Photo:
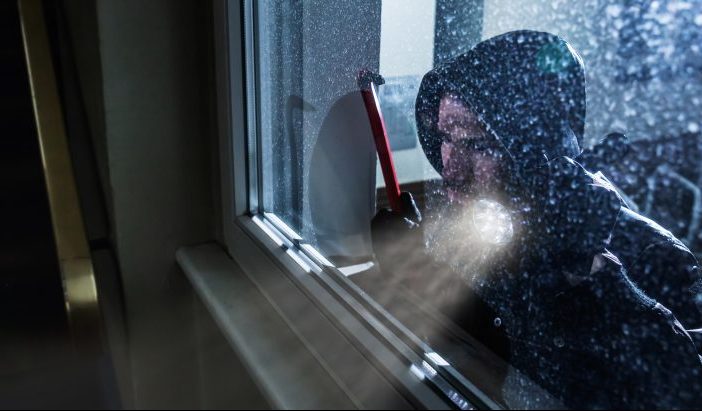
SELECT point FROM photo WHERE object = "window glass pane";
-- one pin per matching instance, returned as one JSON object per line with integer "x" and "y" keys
{"x": 402, "y": 77}
{"x": 552, "y": 149}
{"x": 316, "y": 142}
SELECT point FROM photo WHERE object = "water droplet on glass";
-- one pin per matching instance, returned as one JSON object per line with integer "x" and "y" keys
{"x": 614, "y": 10}
{"x": 559, "y": 342}
{"x": 498, "y": 322}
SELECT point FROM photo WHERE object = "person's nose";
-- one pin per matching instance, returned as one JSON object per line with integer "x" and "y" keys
{"x": 447, "y": 155}
{"x": 447, "y": 173}
{"x": 452, "y": 162}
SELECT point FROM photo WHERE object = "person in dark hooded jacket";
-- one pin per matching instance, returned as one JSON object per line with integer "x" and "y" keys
{"x": 549, "y": 268}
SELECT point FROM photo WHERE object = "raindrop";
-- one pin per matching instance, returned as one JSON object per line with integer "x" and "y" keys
{"x": 498, "y": 322}
{"x": 559, "y": 342}
{"x": 614, "y": 10}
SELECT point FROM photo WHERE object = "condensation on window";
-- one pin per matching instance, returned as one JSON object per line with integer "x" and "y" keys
{"x": 549, "y": 250}
{"x": 316, "y": 140}
{"x": 402, "y": 77}
{"x": 643, "y": 58}
{"x": 643, "y": 64}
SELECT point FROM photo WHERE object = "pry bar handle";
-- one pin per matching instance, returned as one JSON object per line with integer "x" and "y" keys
{"x": 367, "y": 82}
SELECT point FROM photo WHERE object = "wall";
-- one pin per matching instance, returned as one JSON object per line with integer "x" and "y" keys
{"x": 146, "y": 76}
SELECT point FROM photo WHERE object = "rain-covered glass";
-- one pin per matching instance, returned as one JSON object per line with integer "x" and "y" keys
{"x": 550, "y": 155}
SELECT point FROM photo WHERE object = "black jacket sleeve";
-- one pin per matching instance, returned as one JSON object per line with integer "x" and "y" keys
{"x": 668, "y": 272}
{"x": 604, "y": 344}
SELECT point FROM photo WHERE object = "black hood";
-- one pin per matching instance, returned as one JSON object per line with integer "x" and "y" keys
{"x": 528, "y": 89}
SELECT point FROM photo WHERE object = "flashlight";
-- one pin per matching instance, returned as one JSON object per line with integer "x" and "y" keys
{"x": 492, "y": 222}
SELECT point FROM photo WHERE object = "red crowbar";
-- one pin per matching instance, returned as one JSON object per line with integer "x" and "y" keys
{"x": 367, "y": 82}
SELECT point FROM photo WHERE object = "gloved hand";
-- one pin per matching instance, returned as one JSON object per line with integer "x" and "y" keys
{"x": 610, "y": 151}
{"x": 396, "y": 236}
{"x": 571, "y": 214}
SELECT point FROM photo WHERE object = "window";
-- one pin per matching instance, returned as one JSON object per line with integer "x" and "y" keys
{"x": 402, "y": 79}
{"x": 537, "y": 276}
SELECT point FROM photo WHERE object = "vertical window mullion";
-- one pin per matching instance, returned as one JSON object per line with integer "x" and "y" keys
{"x": 253, "y": 145}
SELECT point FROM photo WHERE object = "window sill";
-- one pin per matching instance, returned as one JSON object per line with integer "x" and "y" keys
{"x": 297, "y": 356}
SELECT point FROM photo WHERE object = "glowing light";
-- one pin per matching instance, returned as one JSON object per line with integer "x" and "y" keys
{"x": 492, "y": 222}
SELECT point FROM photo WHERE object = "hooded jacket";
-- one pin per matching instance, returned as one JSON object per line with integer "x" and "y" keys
{"x": 605, "y": 339}
{"x": 528, "y": 90}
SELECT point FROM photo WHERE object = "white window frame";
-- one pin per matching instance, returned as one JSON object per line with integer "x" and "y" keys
{"x": 297, "y": 280}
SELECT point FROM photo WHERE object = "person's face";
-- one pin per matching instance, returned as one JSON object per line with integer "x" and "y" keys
{"x": 472, "y": 160}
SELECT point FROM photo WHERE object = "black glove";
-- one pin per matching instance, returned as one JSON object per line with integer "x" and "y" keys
{"x": 610, "y": 151}
{"x": 395, "y": 236}
{"x": 571, "y": 215}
